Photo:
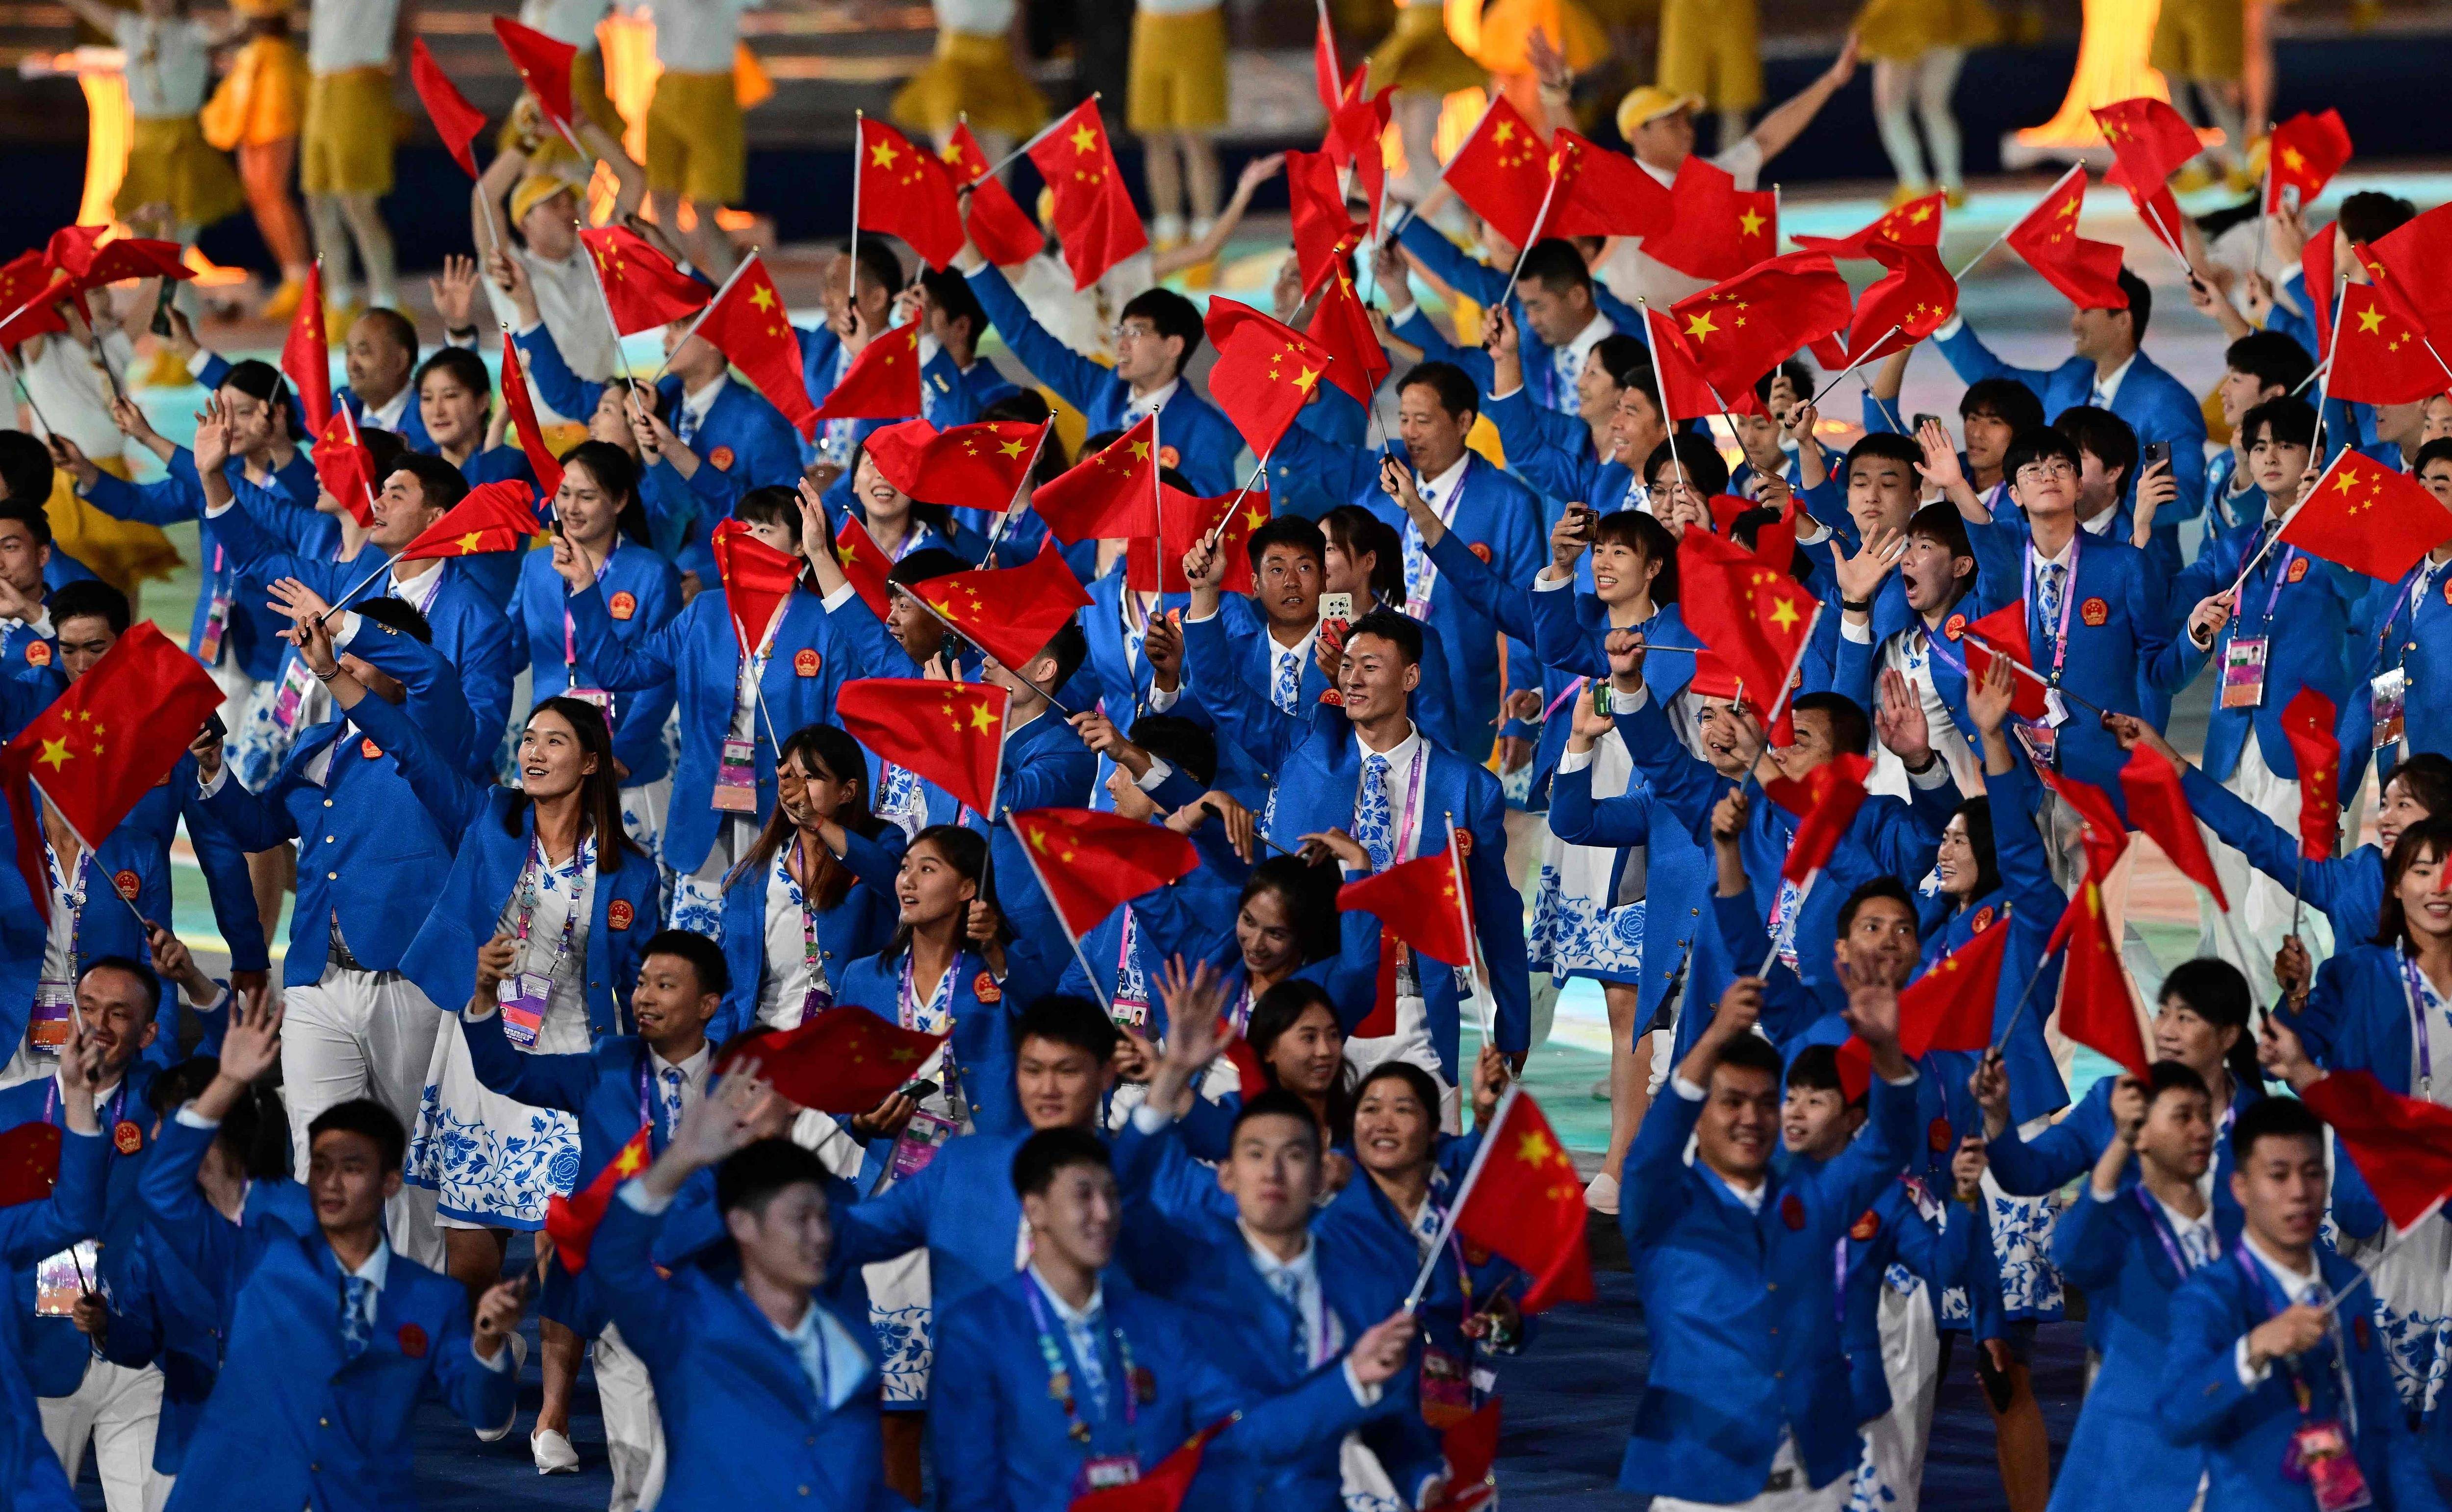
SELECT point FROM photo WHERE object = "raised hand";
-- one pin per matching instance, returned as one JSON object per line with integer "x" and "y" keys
{"x": 1625, "y": 651}
{"x": 569, "y": 565}
{"x": 2282, "y": 1055}
{"x": 70, "y": 458}
{"x": 1728, "y": 817}
{"x": 1968, "y": 1167}
{"x": 1162, "y": 647}
{"x": 1860, "y": 576}
{"x": 498, "y": 1317}
{"x": 1336, "y": 842}
{"x": 297, "y": 599}
{"x": 212, "y": 435}
{"x": 455, "y": 293}
{"x": 1589, "y": 723}
{"x": 2292, "y": 969}
{"x": 2127, "y": 1109}
{"x": 2207, "y": 620}
{"x": 1989, "y": 697}
{"x": 2131, "y": 732}
{"x": 1901, "y": 722}
{"x": 1242, "y": 825}
{"x": 1990, "y": 1086}
{"x": 1383, "y": 1349}
{"x": 1940, "y": 466}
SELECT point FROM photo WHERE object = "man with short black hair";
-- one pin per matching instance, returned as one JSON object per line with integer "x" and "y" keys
{"x": 1045, "y": 765}
{"x": 28, "y": 643}
{"x": 958, "y": 322}
{"x": 2259, "y": 366}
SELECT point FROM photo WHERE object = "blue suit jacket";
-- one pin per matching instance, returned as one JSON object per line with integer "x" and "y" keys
{"x": 2347, "y": 890}
{"x": 984, "y": 1011}
{"x": 2111, "y": 1248}
{"x": 1484, "y": 284}
{"x": 1952, "y": 1251}
{"x": 2358, "y": 1018}
{"x": 52, "y": 1350}
{"x": 859, "y": 926}
{"x": 29, "y": 1470}
{"x": 646, "y": 590}
{"x": 1509, "y": 605}
{"x": 2068, "y": 1149}
{"x": 1742, "y": 1306}
{"x": 2416, "y": 638}
{"x": 1554, "y": 452}
{"x": 1045, "y": 766}
{"x": 2306, "y": 635}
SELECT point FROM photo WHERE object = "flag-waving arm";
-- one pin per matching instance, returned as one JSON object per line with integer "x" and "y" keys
{"x": 1074, "y": 377}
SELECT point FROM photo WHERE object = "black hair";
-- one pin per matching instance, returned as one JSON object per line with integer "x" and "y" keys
{"x": 1815, "y": 1069}
{"x": 262, "y": 382}
{"x": 704, "y": 956}
{"x": 1872, "y": 888}
{"x": 25, "y": 467}
{"x": 1277, "y": 1103}
{"x": 617, "y": 473}
{"x": 396, "y": 614}
{"x": 1942, "y": 525}
{"x": 386, "y": 447}
{"x": 966, "y": 850}
{"x": 464, "y": 368}
{"x": 1749, "y": 1052}
{"x": 401, "y": 330}
{"x": 367, "y": 1116}
{"x": 2273, "y": 1117}
{"x": 1069, "y": 648}
{"x": 2170, "y": 1076}
{"x": 2439, "y": 449}
{"x": 90, "y": 598}
{"x": 600, "y": 791}
{"x": 1644, "y": 534}
{"x": 1888, "y": 445}
{"x": 1180, "y": 743}
{"x": 2102, "y": 435}
{"x": 143, "y": 973}
{"x": 1640, "y": 378}
{"x": 1291, "y": 530}
{"x": 1798, "y": 372}
{"x": 772, "y": 505}
{"x": 1417, "y": 1081}
{"x": 877, "y": 261}
{"x": 2370, "y": 214}
{"x": 1389, "y": 625}
{"x": 438, "y": 481}
{"x": 755, "y": 1174}
{"x": 2273, "y": 358}
{"x": 255, "y": 1131}
{"x": 1171, "y": 315}
{"x": 1555, "y": 263}
{"x": 1977, "y": 811}
{"x": 1278, "y": 1010}
{"x": 928, "y": 562}
{"x": 30, "y": 513}
{"x": 2008, "y": 401}
{"x": 2427, "y": 775}
{"x": 2432, "y": 833}
{"x": 2284, "y": 422}
{"x": 1707, "y": 471}
{"x": 2215, "y": 992}
{"x": 1076, "y": 1023}
{"x": 1310, "y": 895}
{"x": 951, "y": 293}
{"x": 2036, "y": 444}
{"x": 1456, "y": 394}
{"x": 2141, "y": 303}
{"x": 1358, "y": 532}
{"x": 1850, "y": 732}
{"x": 1051, "y": 1150}
{"x": 1623, "y": 356}
{"x": 834, "y": 749}
{"x": 1030, "y": 406}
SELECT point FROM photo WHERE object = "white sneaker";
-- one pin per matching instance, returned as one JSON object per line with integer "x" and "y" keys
{"x": 554, "y": 1455}
{"x": 1601, "y": 1196}
{"x": 518, "y": 1361}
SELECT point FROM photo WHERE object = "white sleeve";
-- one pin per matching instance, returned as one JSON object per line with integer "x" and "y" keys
{"x": 1686, "y": 1090}
{"x": 1856, "y": 634}
{"x": 1574, "y": 761}
{"x": 839, "y": 597}
{"x": 2250, "y": 1377}
{"x": 635, "y": 1194}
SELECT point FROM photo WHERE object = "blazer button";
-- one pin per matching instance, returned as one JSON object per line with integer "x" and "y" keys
{"x": 804, "y": 1490}
{"x": 331, "y": 876}
{"x": 328, "y": 803}
{"x": 811, "y": 1440}
{"x": 328, "y": 840}
{"x": 1771, "y": 1285}
{"x": 323, "y": 1422}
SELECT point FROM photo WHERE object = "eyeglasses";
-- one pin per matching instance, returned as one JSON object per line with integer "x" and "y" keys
{"x": 2047, "y": 470}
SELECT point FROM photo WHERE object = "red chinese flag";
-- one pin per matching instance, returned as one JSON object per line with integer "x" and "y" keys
{"x": 2369, "y": 518}
{"x": 114, "y": 736}
{"x": 864, "y": 561}
{"x": 1718, "y": 231}
{"x": 1424, "y": 901}
{"x": 904, "y": 191}
{"x": 1327, "y": 76}
{"x": 1915, "y": 224}
{"x": 2383, "y": 355}
{"x": 2149, "y": 141}
{"x": 1950, "y": 1008}
{"x": 29, "y": 1162}
{"x": 1756, "y": 617}
{"x": 882, "y": 383}
{"x": 25, "y": 312}
{"x": 455, "y": 120}
{"x": 2004, "y": 630}
{"x": 2400, "y": 1145}
{"x": 2100, "y": 827}
{"x": 1914, "y": 300}
{"x": 2308, "y": 722}
{"x": 1163, "y": 1485}
{"x": 1471, "y": 1447}
{"x": 543, "y": 65}
{"x": 845, "y": 1060}
{"x": 2316, "y": 282}
{"x": 1742, "y": 328}
{"x": 1090, "y": 864}
{"x": 1604, "y": 193}
{"x": 1323, "y": 234}
{"x": 1093, "y": 216}
{"x": 950, "y": 733}
{"x": 1686, "y": 391}
{"x": 1110, "y": 494}
{"x": 2087, "y": 273}
{"x": 2305, "y": 153}
{"x": 522, "y": 405}
{"x": 1156, "y": 565}
{"x": 572, "y": 1221}
{"x": 998, "y": 229}
{"x": 2096, "y": 1008}
{"x": 343, "y": 466}
{"x": 80, "y": 252}
{"x": 642, "y": 286}
{"x": 1265, "y": 371}
{"x": 756, "y": 577}
{"x": 306, "y": 355}
{"x": 1524, "y": 1200}
{"x": 748, "y": 325}
{"x": 1011, "y": 613}
{"x": 1357, "y": 134}
{"x": 491, "y": 517}
{"x": 1343, "y": 328}
{"x": 1502, "y": 171}
{"x": 989, "y": 460}
{"x": 2417, "y": 257}
{"x": 2158, "y": 806}
{"x": 1824, "y": 802}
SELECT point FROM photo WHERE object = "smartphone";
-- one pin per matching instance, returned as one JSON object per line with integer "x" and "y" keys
{"x": 918, "y": 1091}
{"x": 1922, "y": 420}
{"x": 1600, "y": 696}
{"x": 162, "y": 326}
{"x": 2290, "y": 198}
{"x": 1337, "y": 609}
{"x": 1586, "y": 521}
{"x": 214, "y": 728}
{"x": 2156, "y": 451}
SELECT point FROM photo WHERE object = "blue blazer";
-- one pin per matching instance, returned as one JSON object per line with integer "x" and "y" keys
{"x": 2415, "y": 637}
{"x": 1950, "y": 1252}
{"x": 746, "y": 440}
{"x": 51, "y": 1351}
{"x": 1045, "y": 766}
{"x": 29, "y": 1469}
{"x": 1742, "y": 1306}
{"x": 1654, "y": 815}
{"x": 2358, "y": 1018}
{"x": 290, "y": 1422}
{"x": 2068, "y": 1149}
{"x": 859, "y": 926}
{"x": 1485, "y": 286}
{"x": 984, "y": 1012}
{"x": 2305, "y": 636}
{"x": 1363, "y": 1211}
{"x": 155, "y": 820}
{"x": 1003, "y": 1440}
{"x": 2347, "y": 890}
{"x": 1554, "y": 454}
{"x": 1509, "y": 602}
{"x": 746, "y": 1426}
{"x": 2245, "y": 1431}
{"x": 1196, "y": 921}
{"x": 1206, "y": 445}
{"x": 645, "y": 591}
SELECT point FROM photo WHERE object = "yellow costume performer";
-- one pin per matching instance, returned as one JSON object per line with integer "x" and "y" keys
{"x": 170, "y": 163}
{"x": 1179, "y": 69}
{"x": 973, "y": 75}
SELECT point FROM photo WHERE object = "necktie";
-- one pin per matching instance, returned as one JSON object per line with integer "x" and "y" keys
{"x": 1417, "y": 559}
{"x": 1088, "y": 1342}
{"x": 1289, "y": 1286}
{"x": 670, "y": 1095}
{"x": 1132, "y": 982}
{"x": 1373, "y": 825}
{"x": 2048, "y": 595}
{"x": 357, "y": 1316}
{"x": 1285, "y": 683}
{"x": 686, "y": 426}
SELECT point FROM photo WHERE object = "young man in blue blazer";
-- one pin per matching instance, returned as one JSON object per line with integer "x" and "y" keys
{"x": 1749, "y": 1400}
{"x": 335, "y": 1339}
{"x": 2264, "y": 1372}
{"x": 30, "y": 1478}
{"x": 1136, "y": 1376}
{"x": 1561, "y": 310}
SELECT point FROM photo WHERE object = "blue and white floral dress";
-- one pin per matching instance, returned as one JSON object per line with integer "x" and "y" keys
{"x": 1579, "y": 928}
{"x": 494, "y": 1163}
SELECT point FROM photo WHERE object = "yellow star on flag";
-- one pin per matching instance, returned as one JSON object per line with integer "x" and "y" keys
{"x": 1750, "y": 223}
{"x": 2293, "y": 159}
{"x": 1699, "y": 325}
{"x": 1503, "y": 132}
{"x": 1923, "y": 213}
{"x": 56, "y": 754}
{"x": 1140, "y": 451}
{"x": 883, "y": 154}
{"x": 1083, "y": 139}
{"x": 982, "y": 717}
{"x": 2370, "y": 320}
{"x": 1306, "y": 380}
{"x": 468, "y": 543}
{"x": 1535, "y": 1148}
{"x": 1012, "y": 449}
{"x": 762, "y": 297}
{"x": 2343, "y": 481}
{"x": 1783, "y": 612}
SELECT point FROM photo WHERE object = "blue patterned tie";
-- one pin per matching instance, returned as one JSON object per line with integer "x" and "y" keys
{"x": 1374, "y": 827}
{"x": 670, "y": 1096}
{"x": 1417, "y": 560}
{"x": 686, "y": 426}
{"x": 357, "y": 1316}
{"x": 1289, "y": 1286}
{"x": 1285, "y": 683}
{"x": 2049, "y": 596}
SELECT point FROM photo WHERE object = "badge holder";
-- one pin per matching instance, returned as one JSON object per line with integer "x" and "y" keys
{"x": 524, "y": 998}
{"x": 2243, "y": 681}
{"x": 208, "y": 643}
{"x": 1101, "y": 1472}
{"x": 2387, "y": 698}
{"x": 54, "y": 1005}
{"x": 1447, "y": 1386}
{"x": 60, "y": 1279}
{"x": 603, "y": 700}
{"x": 2320, "y": 1455}
{"x": 2042, "y": 743}
{"x": 813, "y": 1002}
{"x": 736, "y": 778}
{"x": 292, "y": 693}
{"x": 917, "y": 1145}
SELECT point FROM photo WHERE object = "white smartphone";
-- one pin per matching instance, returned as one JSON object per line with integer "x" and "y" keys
{"x": 1338, "y": 606}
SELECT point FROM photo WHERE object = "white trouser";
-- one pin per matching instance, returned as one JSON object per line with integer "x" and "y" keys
{"x": 116, "y": 1410}
{"x": 1796, "y": 1497}
{"x": 1889, "y": 1477}
{"x": 363, "y": 1034}
{"x": 634, "y": 1433}
{"x": 2260, "y": 907}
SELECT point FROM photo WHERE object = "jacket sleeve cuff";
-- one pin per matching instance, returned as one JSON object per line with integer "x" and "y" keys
{"x": 636, "y": 1197}
{"x": 1364, "y": 1396}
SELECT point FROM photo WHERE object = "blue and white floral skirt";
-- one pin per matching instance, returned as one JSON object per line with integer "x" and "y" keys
{"x": 491, "y": 1161}
{"x": 2021, "y": 1245}
{"x": 2413, "y": 1306}
{"x": 1577, "y": 928}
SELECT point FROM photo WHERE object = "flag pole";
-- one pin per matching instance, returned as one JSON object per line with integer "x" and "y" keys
{"x": 1219, "y": 529}
{"x": 1335, "y": 68}
{"x": 995, "y": 532}
{"x": 1881, "y": 403}
{"x": 2019, "y": 1010}
{"x": 355, "y": 588}
{"x": 19, "y": 379}
{"x": 1779, "y": 702}
{"x": 1540, "y": 219}
{"x": 1016, "y": 154}
{"x": 734, "y": 277}
{"x": 859, "y": 145}
{"x": 1479, "y": 968}
{"x": 930, "y": 609}
{"x": 1854, "y": 362}
{"x": 1070, "y": 938}
{"x": 2332, "y": 345}
{"x": 1968, "y": 266}
{"x": 1652, "y": 348}
{"x": 366, "y": 483}
{"x": 1464, "y": 1190}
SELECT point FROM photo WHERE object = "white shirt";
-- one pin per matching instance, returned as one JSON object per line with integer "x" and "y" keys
{"x": 167, "y": 68}
{"x": 1298, "y": 653}
{"x": 1440, "y": 492}
{"x": 417, "y": 592}
{"x": 2197, "y": 1241}
{"x": 572, "y": 310}
{"x": 394, "y": 411}
{"x": 1082, "y": 1328}
{"x": 571, "y": 21}
{"x": 834, "y": 1364}
{"x": 698, "y": 403}
{"x": 2107, "y": 388}
{"x": 2305, "y": 1287}
{"x": 564, "y": 894}
{"x": 1155, "y": 399}
{"x": 697, "y": 36}
{"x": 980, "y": 18}
{"x": 1909, "y": 654}
{"x": 1407, "y": 829}
{"x": 351, "y": 34}
{"x": 787, "y": 983}
{"x": 1570, "y": 358}
{"x": 1299, "y": 1280}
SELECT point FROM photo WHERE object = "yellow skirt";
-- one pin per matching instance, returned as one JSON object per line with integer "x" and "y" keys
{"x": 972, "y": 74}
{"x": 1419, "y": 54}
{"x": 1507, "y": 23}
{"x": 171, "y": 163}
{"x": 348, "y": 141}
{"x": 121, "y": 553}
{"x": 2200, "y": 39}
{"x": 1903, "y": 31}
{"x": 1711, "y": 49}
{"x": 262, "y": 99}
{"x": 1177, "y": 79}
{"x": 695, "y": 145}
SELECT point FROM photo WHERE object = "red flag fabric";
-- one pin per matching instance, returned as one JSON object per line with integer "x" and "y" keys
{"x": 2004, "y": 630}
{"x": 79, "y": 251}
{"x": 1162, "y": 1486}
{"x": 882, "y": 383}
{"x": 1090, "y": 864}
{"x": 1686, "y": 389}
{"x": 1470, "y": 1445}
{"x": 345, "y": 467}
{"x": 1327, "y": 76}
{"x": 2149, "y": 141}
{"x": 1502, "y": 170}
{"x": 2400, "y": 1145}
{"x": 973, "y": 464}
{"x": 845, "y": 1060}
{"x": 748, "y": 325}
{"x": 904, "y": 191}
{"x": 1525, "y": 1202}
{"x": 455, "y": 120}
{"x": 114, "y": 736}
{"x": 1110, "y": 493}
{"x": 2158, "y": 806}
{"x": 2369, "y": 518}
{"x": 1950, "y": 1008}
{"x": 1915, "y": 224}
{"x": 642, "y": 286}
{"x": 543, "y": 65}
{"x": 1265, "y": 371}
{"x": 2303, "y": 154}
{"x": 1011, "y": 613}
{"x": 950, "y": 733}
{"x": 25, "y": 312}
{"x": 1824, "y": 802}
{"x": 1756, "y": 617}
{"x": 1603, "y": 194}
{"x": 1917, "y": 297}
{"x": 490, "y": 517}
{"x": 1156, "y": 565}
{"x": 2417, "y": 257}
{"x": 306, "y": 355}
{"x": 1742, "y": 328}
{"x": 2087, "y": 273}
{"x": 1718, "y": 231}
{"x": 998, "y": 229}
{"x": 572, "y": 1221}
{"x": 2096, "y": 1008}
{"x": 2100, "y": 827}
{"x": 2316, "y": 280}
{"x": 1423, "y": 901}
{"x": 29, "y": 1162}
{"x": 522, "y": 405}
{"x": 1093, "y": 216}
{"x": 1343, "y": 328}
{"x": 864, "y": 562}
{"x": 2383, "y": 355}
{"x": 1323, "y": 232}
{"x": 1357, "y": 134}
{"x": 2307, "y": 722}
{"x": 756, "y": 577}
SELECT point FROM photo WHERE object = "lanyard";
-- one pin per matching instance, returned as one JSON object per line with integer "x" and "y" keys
{"x": 908, "y": 1007}
{"x": 2419, "y": 994}
{"x": 2280, "y": 569}
{"x": 2421, "y": 579}
{"x": 109, "y": 1118}
{"x": 2269, "y": 1294}
{"x": 529, "y": 898}
{"x": 2068, "y": 598}
{"x": 569, "y": 645}
{"x": 1938, "y": 647}
{"x": 809, "y": 923}
{"x": 1059, "y": 1381}
{"x": 72, "y": 891}
{"x": 2163, "y": 1232}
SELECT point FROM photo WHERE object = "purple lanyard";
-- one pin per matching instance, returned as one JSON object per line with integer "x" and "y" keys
{"x": 2273, "y": 1300}
{"x": 809, "y": 919}
{"x": 1052, "y": 1354}
{"x": 1935, "y": 644}
{"x": 2281, "y": 574}
{"x": 907, "y": 995}
{"x": 2421, "y": 995}
{"x": 110, "y": 1119}
{"x": 2165, "y": 1233}
{"x": 2068, "y": 598}
{"x": 569, "y": 647}
{"x": 528, "y": 898}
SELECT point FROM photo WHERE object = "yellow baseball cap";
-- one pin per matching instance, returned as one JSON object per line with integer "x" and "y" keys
{"x": 1649, "y": 104}
{"x": 533, "y": 191}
